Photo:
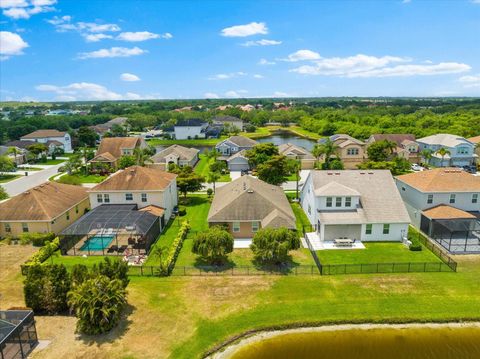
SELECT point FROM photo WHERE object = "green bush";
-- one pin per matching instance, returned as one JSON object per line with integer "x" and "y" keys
{"x": 113, "y": 269}
{"x": 37, "y": 239}
{"x": 44, "y": 252}
{"x": 209, "y": 192}
{"x": 213, "y": 245}
{"x": 271, "y": 245}
{"x": 175, "y": 248}
{"x": 415, "y": 247}
{"x": 182, "y": 210}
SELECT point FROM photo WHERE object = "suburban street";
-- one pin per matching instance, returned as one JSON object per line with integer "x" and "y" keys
{"x": 33, "y": 179}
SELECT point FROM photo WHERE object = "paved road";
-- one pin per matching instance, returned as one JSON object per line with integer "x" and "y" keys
{"x": 33, "y": 179}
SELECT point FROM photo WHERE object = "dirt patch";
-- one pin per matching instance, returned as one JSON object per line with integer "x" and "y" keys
{"x": 215, "y": 297}
{"x": 11, "y": 286}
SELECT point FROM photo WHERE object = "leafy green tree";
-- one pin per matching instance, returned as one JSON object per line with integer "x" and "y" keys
{"x": 98, "y": 304}
{"x": 213, "y": 245}
{"x": 426, "y": 155}
{"x": 15, "y": 151}
{"x": 37, "y": 149}
{"x": 381, "y": 150}
{"x": 327, "y": 148}
{"x": 3, "y": 193}
{"x": 294, "y": 167}
{"x": 6, "y": 164}
{"x": 443, "y": 152}
{"x": 118, "y": 130}
{"x": 333, "y": 164}
{"x": 213, "y": 177}
{"x": 127, "y": 161}
{"x": 142, "y": 156}
{"x": 261, "y": 153}
{"x": 217, "y": 166}
{"x": 73, "y": 164}
{"x": 275, "y": 170}
{"x": 271, "y": 245}
{"x": 188, "y": 180}
{"x": 87, "y": 137}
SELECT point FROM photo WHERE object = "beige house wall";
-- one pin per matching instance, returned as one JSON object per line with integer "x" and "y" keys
{"x": 245, "y": 229}
{"x": 56, "y": 225}
{"x": 307, "y": 164}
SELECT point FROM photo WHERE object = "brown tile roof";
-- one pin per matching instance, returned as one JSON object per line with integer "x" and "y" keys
{"x": 44, "y": 133}
{"x": 136, "y": 178}
{"x": 155, "y": 210}
{"x": 291, "y": 149}
{"x": 250, "y": 199}
{"x": 104, "y": 157}
{"x": 444, "y": 211}
{"x": 475, "y": 139}
{"x": 42, "y": 203}
{"x": 442, "y": 180}
{"x": 114, "y": 145}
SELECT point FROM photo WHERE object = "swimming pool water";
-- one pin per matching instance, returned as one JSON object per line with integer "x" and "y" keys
{"x": 97, "y": 243}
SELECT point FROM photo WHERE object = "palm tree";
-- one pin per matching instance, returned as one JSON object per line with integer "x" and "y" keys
{"x": 141, "y": 156}
{"x": 443, "y": 152}
{"x": 427, "y": 155}
{"x": 85, "y": 152}
{"x": 390, "y": 146}
{"x": 212, "y": 154}
{"x": 317, "y": 151}
{"x": 15, "y": 151}
{"x": 327, "y": 148}
{"x": 213, "y": 177}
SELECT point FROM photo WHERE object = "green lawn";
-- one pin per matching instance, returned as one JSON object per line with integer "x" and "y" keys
{"x": 70, "y": 261}
{"x": 202, "y": 168}
{"x": 51, "y": 162}
{"x": 81, "y": 178}
{"x": 379, "y": 252}
{"x": 7, "y": 178}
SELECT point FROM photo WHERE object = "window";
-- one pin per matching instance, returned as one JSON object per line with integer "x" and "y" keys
{"x": 348, "y": 201}
{"x": 430, "y": 198}
{"x": 309, "y": 209}
{"x": 144, "y": 197}
{"x": 25, "y": 227}
{"x": 462, "y": 151}
{"x": 67, "y": 215}
{"x": 338, "y": 201}
{"x": 99, "y": 198}
{"x": 255, "y": 226}
{"x": 403, "y": 189}
{"x": 76, "y": 209}
{"x": 8, "y": 229}
{"x": 452, "y": 198}
{"x": 352, "y": 151}
{"x": 368, "y": 229}
{"x": 329, "y": 201}
{"x": 128, "y": 197}
{"x": 475, "y": 198}
{"x": 236, "y": 226}
{"x": 106, "y": 198}
{"x": 386, "y": 229}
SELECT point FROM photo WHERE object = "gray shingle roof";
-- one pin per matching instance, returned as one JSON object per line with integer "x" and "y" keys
{"x": 183, "y": 153}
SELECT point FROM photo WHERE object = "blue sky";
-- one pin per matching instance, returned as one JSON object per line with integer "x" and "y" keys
{"x": 110, "y": 50}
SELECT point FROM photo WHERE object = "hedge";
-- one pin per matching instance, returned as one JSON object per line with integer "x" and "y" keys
{"x": 43, "y": 253}
{"x": 175, "y": 248}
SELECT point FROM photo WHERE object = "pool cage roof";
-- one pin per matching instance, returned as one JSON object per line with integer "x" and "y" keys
{"x": 10, "y": 320}
{"x": 109, "y": 219}
{"x": 459, "y": 225}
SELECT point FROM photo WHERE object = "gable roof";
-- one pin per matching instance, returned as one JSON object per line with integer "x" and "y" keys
{"x": 250, "y": 199}
{"x": 379, "y": 197}
{"x": 183, "y": 153}
{"x": 20, "y": 144}
{"x": 240, "y": 154}
{"x": 44, "y": 133}
{"x": 444, "y": 139}
{"x": 342, "y": 140}
{"x": 114, "y": 145}
{"x": 226, "y": 119}
{"x": 398, "y": 138}
{"x": 443, "y": 211}
{"x": 42, "y": 203}
{"x": 241, "y": 141}
{"x": 136, "y": 178}
{"x": 442, "y": 180}
{"x": 192, "y": 122}
{"x": 336, "y": 189}
{"x": 290, "y": 148}
{"x": 475, "y": 139}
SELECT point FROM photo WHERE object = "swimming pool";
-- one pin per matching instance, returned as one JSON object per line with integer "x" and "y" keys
{"x": 97, "y": 243}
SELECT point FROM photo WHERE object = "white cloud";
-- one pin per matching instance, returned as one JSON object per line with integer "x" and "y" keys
{"x": 129, "y": 77}
{"x": 166, "y": 35}
{"x": 94, "y": 27}
{"x": 112, "y": 52}
{"x": 471, "y": 80}
{"x": 416, "y": 70}
{"x": 303, "y": 55}
{"x": 281, "y": 94}
{"x": 235, "y": 94}
{"x": 266, "y": 62}
{"x": 23, "y": 9}
{"x": 85, "y": 91}
{"x": 96, "y": 37}
{"x": 262, "y": 42}
{"x": 227, "y": 75}
{"x": 258, "y": 76}
{"x": 210, "y": 95}
{"x": 250, "y": 29}
{"x": 137, "y": 36}
{"x": 11, "y": 44}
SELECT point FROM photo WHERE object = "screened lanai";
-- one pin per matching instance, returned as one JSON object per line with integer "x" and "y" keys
{"x": 115, "y": 229}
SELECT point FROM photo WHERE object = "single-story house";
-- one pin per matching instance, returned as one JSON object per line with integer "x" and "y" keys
{"x": 238, "y": 162}
{"x": 58, "y": 138}
{"x": 307, "y": 159}
{"x": 176, "y": 154}
{"x": 49, "y": 207}
{"x": 354, "y": 204}
{"x": 19, "y": 158}
{"x": 235, "y": 144}
{"x": 248, "y": 204}
{"x": 111, "y": 149}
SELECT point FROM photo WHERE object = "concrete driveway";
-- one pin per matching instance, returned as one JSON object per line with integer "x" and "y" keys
{"x": 34, "y": 179}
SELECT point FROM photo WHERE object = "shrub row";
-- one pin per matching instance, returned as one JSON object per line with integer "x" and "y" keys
{"x": 37, "y": 239}
{"x": 175, "y": 248}
{"x": 44, "y": 252}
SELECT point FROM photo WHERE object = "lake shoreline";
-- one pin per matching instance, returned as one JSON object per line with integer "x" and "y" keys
{"x": 228, "y": 348}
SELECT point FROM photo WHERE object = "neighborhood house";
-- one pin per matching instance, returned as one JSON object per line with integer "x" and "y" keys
{"x": 51, "y": 138}
{"x": 175, "y": 154}
{"x": 459, "y": 151}
{"x": 111, "y": 149}
{"x": 190, "y": 129}
{"x": 351, "y": 151}
{"x": 232, "y": 150}
{"x": 307, "y": 160}
{"x": 407, "y": 147}
{"x": 228, "y": 120}
{"x": 353, "y": 205}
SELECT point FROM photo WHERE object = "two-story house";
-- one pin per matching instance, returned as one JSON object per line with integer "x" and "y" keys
{"x": 350, "y": 151}
{"x": 355, "y": 204}
{"x": 190, "y": 129}
{"x": 51, "y": 138}
{"x": 233, "y": 150}
{"x": 461, "y": 152}
{"x": 141, "y": 186}
{"x": 228, "y": 120}
{"x": 306, "y": 158}
{"x": 111, "y": 149}
{"x": 407, "y": 147}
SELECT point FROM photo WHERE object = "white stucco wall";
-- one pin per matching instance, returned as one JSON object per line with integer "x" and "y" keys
{"x": 183, "y": 132}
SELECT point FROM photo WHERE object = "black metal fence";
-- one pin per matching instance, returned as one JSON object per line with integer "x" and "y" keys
{"x": 438, "y": 251}
{"x": 369, "y": 268}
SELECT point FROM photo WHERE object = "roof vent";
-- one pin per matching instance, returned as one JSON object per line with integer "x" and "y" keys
{"x": 370, "y": 173}
{"x": 362, "y": 173}
{"x": 337, "y": 173}
{"x": 250, "y": 191}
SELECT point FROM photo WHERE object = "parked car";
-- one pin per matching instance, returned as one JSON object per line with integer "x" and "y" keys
{"x": 416, "y": 167}
{"x": 470, "y": 169}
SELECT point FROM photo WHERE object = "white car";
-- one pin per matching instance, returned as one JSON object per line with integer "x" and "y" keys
{"x": 416, "y": 167}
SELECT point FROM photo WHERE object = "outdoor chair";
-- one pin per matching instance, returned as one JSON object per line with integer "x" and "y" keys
{"x": 112, "y": 249}
{"x": 122, "y": 248}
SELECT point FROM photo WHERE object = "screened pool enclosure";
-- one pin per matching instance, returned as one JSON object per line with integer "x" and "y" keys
{"x": 115, "y": 229}
{"x": 18, "y": 335}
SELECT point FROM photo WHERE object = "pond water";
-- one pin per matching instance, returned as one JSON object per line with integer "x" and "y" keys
{"x": 278, "y": 138}
{"x": 411, "y": 343}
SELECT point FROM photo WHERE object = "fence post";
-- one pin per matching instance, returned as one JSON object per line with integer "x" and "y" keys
{"x": 424, "y": 266}
{"x": 409, "y": 267}
{"x": 151, "y": 270}
{"x": 296, "y": 273}
{"x": 141, "y": 270}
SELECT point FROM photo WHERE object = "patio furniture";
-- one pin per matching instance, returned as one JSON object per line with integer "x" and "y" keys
{"x": 343, "y": 242}
{"x": 131, "y": 241}
{"x": 122, "y": 248}
{"x": 112, "y": 249}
